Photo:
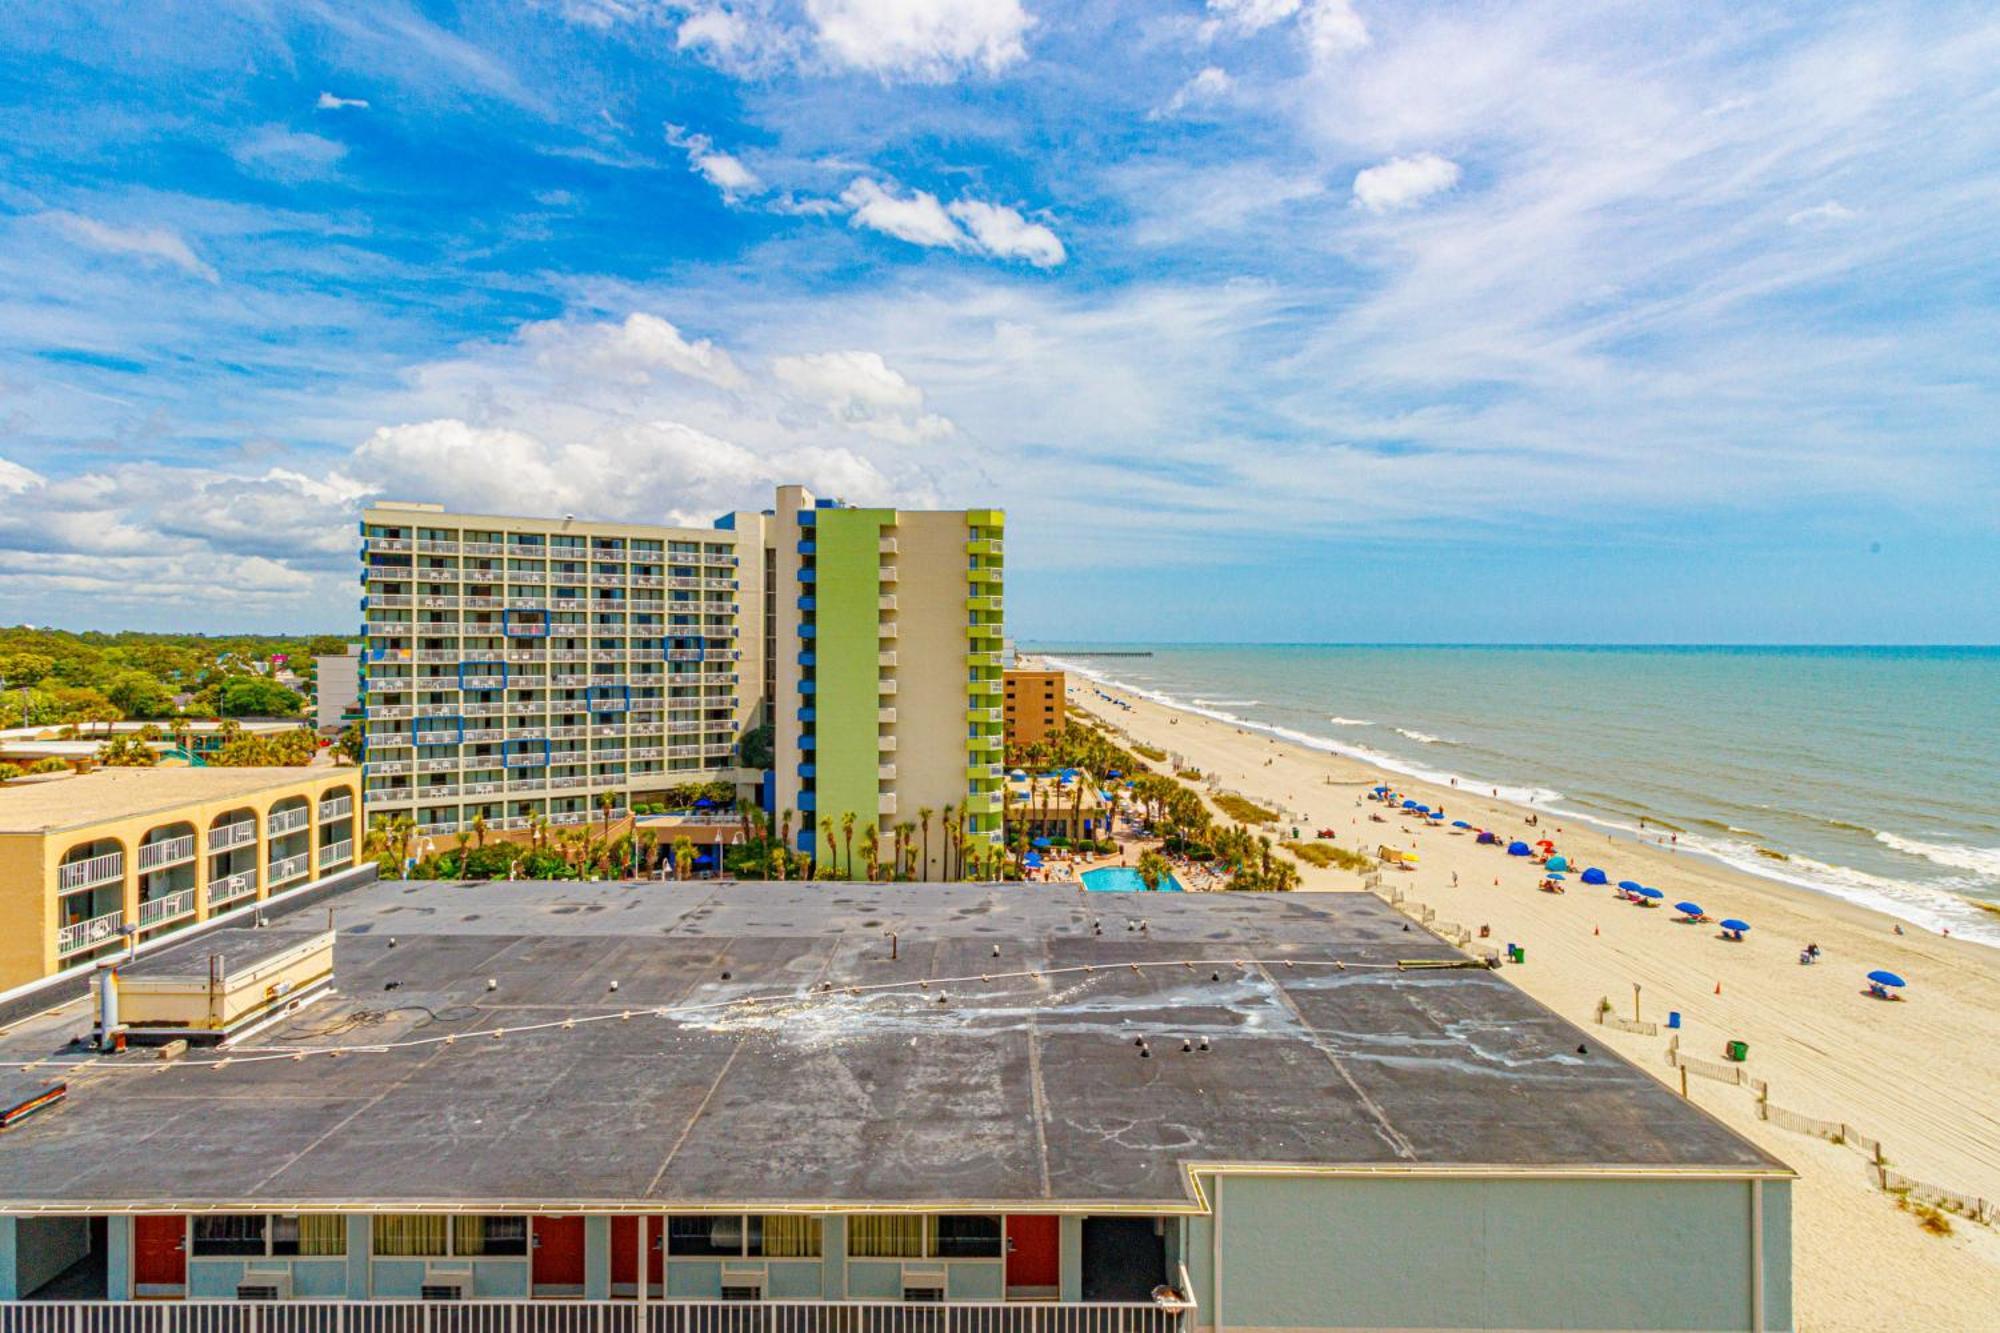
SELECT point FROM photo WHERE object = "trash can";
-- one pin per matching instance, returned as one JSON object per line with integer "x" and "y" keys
{"x": 1673, "y": 1018}
{"x": 1737, "y": 1050}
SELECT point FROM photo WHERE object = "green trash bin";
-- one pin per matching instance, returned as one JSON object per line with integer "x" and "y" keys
{"x": 1738, "y": 1051}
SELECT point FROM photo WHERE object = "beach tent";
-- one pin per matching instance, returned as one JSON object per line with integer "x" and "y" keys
{"x": 1881, "y": 978}
{"x": 1594, "y": 876}
{"x": 1629, "y": 885}
{"x": 1488, "y": 837}
{"x": 1517, "y": 849}
{"x": 1559, "y": 863}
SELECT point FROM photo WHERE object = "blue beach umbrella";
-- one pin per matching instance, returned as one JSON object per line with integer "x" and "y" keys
{"x": 1594, "y": 876}
{"x": 1460, "y": 823}
{"x": 1731, "y": 923}
{"x": 1032, "y": 861}
{"x": 1044, "y": 842}
{"x": 1629, "y": 885}
{"x": 1645, "y": 892}
{"x": 1517, "y": 849}
{"x": 1556, "y": 875}
{"x": 1559, "y": 863}
{"x": 1691, "y": 909}
{"x": 1409, "y": 805}
{"x": 1382, "y": 790}
{"x": 1881, "y": 978}
{"x": 1489, "y": 837}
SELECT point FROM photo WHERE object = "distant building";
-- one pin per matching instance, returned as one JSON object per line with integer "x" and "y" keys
{"x": 337, "y": 688}
{"x": 90, "y": 862}
{"x": 1034, "y": 704}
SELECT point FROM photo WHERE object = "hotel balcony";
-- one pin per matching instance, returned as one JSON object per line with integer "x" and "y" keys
{"x": 991, "y": 605}
{"x": 887, "y": 574}
{"x": 987, "y": 547}
{"x": 80, "y": 936}
{"x": 167, "y": 852}
{"x": 89, "y": 874}
{"x": 244, "y": 831}
{"x": 982, "y": 715}
{"x": 242, "y": 884}
{"x": 885, "y": 715}
{"x": 167, "y": 907}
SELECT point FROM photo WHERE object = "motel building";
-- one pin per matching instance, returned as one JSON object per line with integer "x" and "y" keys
{"x": 862, "y": 1108}
{"x": 121, "y": 861}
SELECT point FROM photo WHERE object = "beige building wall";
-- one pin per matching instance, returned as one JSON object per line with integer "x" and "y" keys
{"x": 930, "y": 727}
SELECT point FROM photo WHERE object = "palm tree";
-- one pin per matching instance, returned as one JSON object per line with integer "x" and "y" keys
{"x": 479, "y": 830}
{"x": 745, "y": 808}
{"x": 774, "y": 862}
{"x": 945, "y": 822}
{"x": 647, "y": 841}
{"x": 683, "y": 857}
{"x": 785, "y": 828}
{"x": 924, "y": 814}
{"x": 1153, "y": 869}
{"x": 606, "y": 801}
{"x": 871, "y": 847}
{"x": 463, "y": 839}
{"x": 904, "y": 849}
{"x": 538, "y": 830}
{"x": 847, "y": 836}
{"x": 824, "y": 844}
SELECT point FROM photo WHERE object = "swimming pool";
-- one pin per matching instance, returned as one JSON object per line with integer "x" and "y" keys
{"x": 1123, "y": 879}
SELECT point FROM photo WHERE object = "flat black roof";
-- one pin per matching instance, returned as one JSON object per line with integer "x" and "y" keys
{"x": 1020, "y": 1090}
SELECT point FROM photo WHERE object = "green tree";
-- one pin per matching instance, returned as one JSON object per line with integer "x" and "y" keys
{"x": 254, "y": 696}
{"x": 8, "y": 772}
{"x": 1153, "y": 869}
{"x": 353, "y": 743}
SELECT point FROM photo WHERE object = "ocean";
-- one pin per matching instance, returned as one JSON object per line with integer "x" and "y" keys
{"x": 1874, "y": 773}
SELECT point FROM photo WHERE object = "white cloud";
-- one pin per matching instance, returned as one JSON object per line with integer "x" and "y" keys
{"x": 15, "y": 479}
{"x": 1332, "y": 28}
{"x": 149, "y": 243}
{"x": 1004, "y": 233}
{"x": 931, "y": 40}
{"x": 917, "y": 217}
{"x": 1403, "y": 181}
{"x": 1830, "y": 211}
{"x": 1252, "y": 15}
{"x": 861, "y": 389}
{"x": 328, "y": 102}
{"x": 1210, "y": 85}
{"x": 631, "y": 351}
{"x": 288, "y": 156}
{"x": 724, "y": 171}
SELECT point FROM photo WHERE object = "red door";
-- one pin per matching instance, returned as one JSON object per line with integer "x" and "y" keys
{"x": 159, "y": 1255}
{"x": 1034, "y": 1255}
{"x": 558, "y": 1250}
{"x": 625, "y": 1250}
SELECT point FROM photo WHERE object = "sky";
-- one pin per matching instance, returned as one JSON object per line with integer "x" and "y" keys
{"x": 1288, "y": 320}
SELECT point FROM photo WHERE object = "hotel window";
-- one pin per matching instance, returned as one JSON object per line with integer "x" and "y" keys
{"x": 409, "y": 1235}
{"x": 911, "y": 1236}
{"x": 309, "y": 1234}
{"x": 489, "y": 1236}
{"x": 732, "y": 1236}
{"x": 229, "y": 1233}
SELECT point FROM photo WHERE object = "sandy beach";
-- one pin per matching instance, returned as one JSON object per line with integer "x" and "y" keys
{"x": 1921, "y": 1075}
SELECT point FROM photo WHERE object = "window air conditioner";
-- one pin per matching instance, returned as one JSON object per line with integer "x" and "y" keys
{"x": 446, "y": 1284}
{"x": 743, "y": 1282}
{"x": 923, "y": 1282}
{"x": 265, "y": 1285}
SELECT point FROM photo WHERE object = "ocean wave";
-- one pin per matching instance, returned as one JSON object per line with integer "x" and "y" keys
{"x": 1227, "y": 703}
{"x": 1981, "y": 861}
{"x": 1423, "y": 737}
{"x": 1350, "y": 722}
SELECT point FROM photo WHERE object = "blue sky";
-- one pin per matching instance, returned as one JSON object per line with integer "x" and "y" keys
{"x": 1264, "y": 319}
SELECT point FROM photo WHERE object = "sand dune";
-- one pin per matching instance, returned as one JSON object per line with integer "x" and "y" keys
{"x": 1923, "y": 1075}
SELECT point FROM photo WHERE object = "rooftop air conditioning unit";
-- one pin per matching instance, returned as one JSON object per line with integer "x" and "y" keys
{"x": 743, "y": 1282}
{"x": 446, "y": 1284}
{"x": 923, "y": 1282}
{"x": 265, "y": 1285}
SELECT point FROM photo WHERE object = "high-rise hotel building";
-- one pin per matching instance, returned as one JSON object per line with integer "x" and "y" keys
{"x": 518, "y": 667}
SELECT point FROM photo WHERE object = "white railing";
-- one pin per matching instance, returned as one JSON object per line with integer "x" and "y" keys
{"x": 334, "y": 853}
{"x": 287, "y": 821}
{"x": 231, "y": 887}
{"x": 97, "y": 870}
{"x": 244, "y": 831}
{"x": 290, "y": 868}
{"x": 337, "y": 808}
{"x": 166, "y": 907}
{"x": 89, "y": 934}
{"x": 166, "y": 852}
{"x": 655, "y": 1316}
{"x": 387, "y": 768}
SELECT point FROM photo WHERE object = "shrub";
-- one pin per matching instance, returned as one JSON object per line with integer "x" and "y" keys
{"x": 1324, "y": 855}
{"x": 8, "y": 772}
{"x": 48, "y": 765}
{"x": 1148, "y": 752}
{"x": 1244, "y": 811}
{"x": 1188, "y": 774}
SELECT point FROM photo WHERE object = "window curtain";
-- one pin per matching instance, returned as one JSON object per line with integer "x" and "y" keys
{"x": 322, "y": 1233}
{"x": 790, "y": 1237}
{"x": 409, "y": 1234}
{"x": 888, "y": 1236}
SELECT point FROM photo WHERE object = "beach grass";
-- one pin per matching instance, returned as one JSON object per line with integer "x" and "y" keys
{"x": 1149, "y": 753}
{"x": 1243, "y": 810}
{"x": 1323, "y": 855}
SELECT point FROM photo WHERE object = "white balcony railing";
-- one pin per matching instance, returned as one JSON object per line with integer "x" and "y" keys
{"x": 289, "y": 868}
{"x": 166, "y": 852}
{"x": 336, "y": 853}
{"x": 167, "y": 907}
{"x": 244, "y": 831}
{"x": 88, "y": 874}
{"x": 89, "y": 934}
{"x": 340, "y": 807}
{"x": 231, "y": 887}
{"x": 288, "y": 821}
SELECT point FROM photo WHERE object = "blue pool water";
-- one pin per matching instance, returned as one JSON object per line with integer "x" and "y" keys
{"x": 1123, "y": 879}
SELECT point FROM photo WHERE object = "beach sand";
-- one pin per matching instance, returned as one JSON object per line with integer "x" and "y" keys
{"x": 1921, "y": 1075}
